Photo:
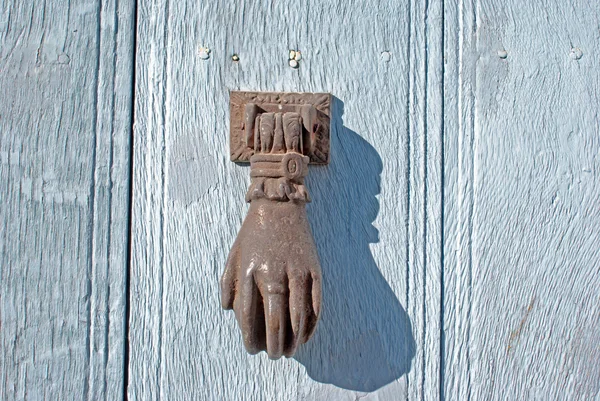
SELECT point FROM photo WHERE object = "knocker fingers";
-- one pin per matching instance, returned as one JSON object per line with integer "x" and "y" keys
{"x": 228, "y": 280}
{"x": 275, "y": 297}
{"x": 316, "y": 296}
{"x": 250, "y": 315}
{"x": 299, "y": 304}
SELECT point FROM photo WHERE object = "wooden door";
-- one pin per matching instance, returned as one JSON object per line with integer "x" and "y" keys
{"x": 457, "y": 223}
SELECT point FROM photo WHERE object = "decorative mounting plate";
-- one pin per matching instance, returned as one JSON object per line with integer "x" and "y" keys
{"x": 314, "y": 108}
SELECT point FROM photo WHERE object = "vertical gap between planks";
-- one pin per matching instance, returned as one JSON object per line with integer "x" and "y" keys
{"x": 425, "y": 182}
{"x": 92, "y": 209}
{"x": 471, "y": 177}
{"x": 442, "y": 339}
{"x": 165, "y": 115}
{"x": 127, "y": 311}
{"x": 408, "y": 165}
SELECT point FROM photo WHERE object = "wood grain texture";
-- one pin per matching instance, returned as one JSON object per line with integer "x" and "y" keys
{"x": 457, "y": 223}
{"x": 65, "y": 121}
{"x": 375, "y": 211}
{"x": 521, "y": 205}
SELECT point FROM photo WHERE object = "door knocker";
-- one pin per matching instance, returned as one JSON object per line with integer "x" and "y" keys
{"x": 272, "y": 278}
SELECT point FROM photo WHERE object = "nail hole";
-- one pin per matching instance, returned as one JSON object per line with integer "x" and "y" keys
{"x": 576, "y": 53}
{"x": 204, "y": 53}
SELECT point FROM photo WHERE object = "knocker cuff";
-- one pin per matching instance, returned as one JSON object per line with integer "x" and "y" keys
{"x": 278, "y": 177}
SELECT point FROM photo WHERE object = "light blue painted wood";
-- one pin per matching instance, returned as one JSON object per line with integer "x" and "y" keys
{"x": 459, "y": 206}
{"x": 375, "y": 213}
{"x": 457, "y": 222}
{"x": 65, "y": 118}
{"x": 521, "y": 201}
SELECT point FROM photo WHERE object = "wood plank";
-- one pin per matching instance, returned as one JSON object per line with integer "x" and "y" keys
{"x": 65, "y": 118}
{"x": 374, "y": 213}
{"x": 522, "y": 315}
{"x": 459, "y": 75}
{"x": 424, "y": 241}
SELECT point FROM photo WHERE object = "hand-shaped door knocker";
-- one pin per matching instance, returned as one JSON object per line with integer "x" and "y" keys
{"x": 272, "y": 278}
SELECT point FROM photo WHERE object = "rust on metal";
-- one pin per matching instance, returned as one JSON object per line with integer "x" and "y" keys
{"x": 272, "y": 278}
{"x": 314, "y": 110}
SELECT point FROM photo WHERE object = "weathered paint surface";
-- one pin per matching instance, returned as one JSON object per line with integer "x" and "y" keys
{"x": 457, "y": 223}
{"x": 375, "y": 210}
{"x": 522, "y": 201}
{"x": 65, "y": 117}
